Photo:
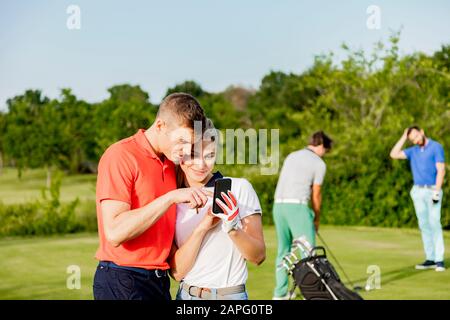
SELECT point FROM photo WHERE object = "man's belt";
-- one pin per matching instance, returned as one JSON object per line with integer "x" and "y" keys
{"x": 425, "y": 186}
{"x": 297, "y": 201}
{"x": 146, "y": 272}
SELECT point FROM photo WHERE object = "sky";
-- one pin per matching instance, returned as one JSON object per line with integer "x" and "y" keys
{"x": 157, "y": 44}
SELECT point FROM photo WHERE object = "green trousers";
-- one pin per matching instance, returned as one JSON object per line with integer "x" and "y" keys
{"x": 291, "y": 221}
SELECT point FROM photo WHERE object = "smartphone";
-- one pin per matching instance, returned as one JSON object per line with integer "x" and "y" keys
{"x": 220, "y": 185}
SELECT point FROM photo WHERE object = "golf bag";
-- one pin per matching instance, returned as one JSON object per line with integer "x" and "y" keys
{"x": 314, "y": 274}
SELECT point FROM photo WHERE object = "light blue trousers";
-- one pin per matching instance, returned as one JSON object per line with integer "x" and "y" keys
{"x": 429, "y": 218}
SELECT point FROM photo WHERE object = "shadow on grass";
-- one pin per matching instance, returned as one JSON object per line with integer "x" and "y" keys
{"x": 398, "y": 274}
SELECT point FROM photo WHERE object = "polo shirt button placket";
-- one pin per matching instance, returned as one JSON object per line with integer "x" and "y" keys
{"x": 164, "y": 167}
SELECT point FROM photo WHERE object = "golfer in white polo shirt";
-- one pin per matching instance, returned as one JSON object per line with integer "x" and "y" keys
{"x": 210, "y": 251}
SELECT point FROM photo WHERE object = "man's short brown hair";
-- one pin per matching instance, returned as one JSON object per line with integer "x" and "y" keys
{"x": 184, "y": 107}
{"x": 414, "y": 127}
{"x": 319, "y": 138}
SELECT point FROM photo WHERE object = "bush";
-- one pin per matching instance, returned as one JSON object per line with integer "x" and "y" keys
{"x": 42, "y": 217}
{"x": 86, "y": 216}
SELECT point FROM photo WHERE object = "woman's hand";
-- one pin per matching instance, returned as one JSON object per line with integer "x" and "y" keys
{"x": 230, "y": 218}
{"x": 208, "y": 222}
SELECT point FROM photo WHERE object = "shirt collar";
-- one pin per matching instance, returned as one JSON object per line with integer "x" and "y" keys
{"x": 306, "y": 148}
{"x": 216, "y": 175}
{"x": 427, "y": 144}
{"x": 144, "y": 144}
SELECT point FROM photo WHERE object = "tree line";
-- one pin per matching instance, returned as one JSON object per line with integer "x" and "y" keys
{"x": 363, "y": 102}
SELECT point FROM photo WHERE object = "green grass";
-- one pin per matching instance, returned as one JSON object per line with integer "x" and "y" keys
{"x": 35, "y": 268}
{"x": 29, "y": 187}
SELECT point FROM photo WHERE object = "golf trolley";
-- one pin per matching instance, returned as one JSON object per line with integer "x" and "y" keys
{"x": 314, "y": 274}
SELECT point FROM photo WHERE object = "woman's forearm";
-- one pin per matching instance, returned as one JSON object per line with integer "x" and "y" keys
{"x": 252, "y": 249}
{"x": 184, "y": 258}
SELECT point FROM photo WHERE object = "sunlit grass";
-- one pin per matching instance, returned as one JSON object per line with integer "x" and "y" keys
{"x": 35, "y": 268}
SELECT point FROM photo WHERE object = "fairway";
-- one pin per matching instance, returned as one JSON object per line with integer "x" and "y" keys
{"x": 231, "y": 132}
{"x": 35, "y": 268}
{"x": 29, "y": 186}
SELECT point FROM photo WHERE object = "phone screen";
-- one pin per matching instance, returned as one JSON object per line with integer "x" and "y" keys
{"x": 220, "y": 185}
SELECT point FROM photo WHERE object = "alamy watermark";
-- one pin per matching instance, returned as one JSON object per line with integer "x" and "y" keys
{"x": 73, "y": 21}
{"x": 374, "y": 280}
{"x": 373, "y": 21}
{"x": 73, "y": 281}
{"x": 238, "y": 146}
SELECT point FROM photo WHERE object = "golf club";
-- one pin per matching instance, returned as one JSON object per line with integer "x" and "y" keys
{"x": 356, "y": 288}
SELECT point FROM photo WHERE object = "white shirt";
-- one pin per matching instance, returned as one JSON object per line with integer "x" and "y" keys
{"x": 219, "y": 264}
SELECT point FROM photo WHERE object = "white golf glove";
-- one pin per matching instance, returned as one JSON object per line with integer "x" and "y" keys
{"x": 436, "y": 196}
{"x": 230, "y": 217}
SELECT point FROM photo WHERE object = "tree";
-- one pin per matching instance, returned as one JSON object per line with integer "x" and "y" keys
{"x": 121, "y": 115}
{"x": 71, "y": 132}
{"x": 238, "y": 96}
{"x": 363, "y": 102}
{"x": 189, "y": 86}
{"x": 23, "y": 138}
{"x": 2, "y": 135}
{"x": 442, "y": 58}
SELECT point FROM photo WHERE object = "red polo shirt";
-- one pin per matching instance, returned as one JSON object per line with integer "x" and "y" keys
{"x": 131, "y": 172}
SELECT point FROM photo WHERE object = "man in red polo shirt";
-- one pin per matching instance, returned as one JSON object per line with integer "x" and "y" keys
{"x": 136, "y": 203}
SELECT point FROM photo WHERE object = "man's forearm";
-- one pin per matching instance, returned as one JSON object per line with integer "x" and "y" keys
{"x": 440, "y": 179}
{"x": 397, "y": 149}
{"x": 131, "y": 224}
{"x": 316, "y": 204}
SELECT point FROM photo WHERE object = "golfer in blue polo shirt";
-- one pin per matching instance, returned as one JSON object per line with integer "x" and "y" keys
{"x": 428, "y": 168}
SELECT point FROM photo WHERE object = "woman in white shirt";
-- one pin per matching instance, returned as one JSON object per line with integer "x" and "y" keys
{"x": 210, "y": 251}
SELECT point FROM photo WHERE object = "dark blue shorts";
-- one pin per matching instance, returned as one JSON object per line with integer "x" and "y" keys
{"x": 113, "y": 283}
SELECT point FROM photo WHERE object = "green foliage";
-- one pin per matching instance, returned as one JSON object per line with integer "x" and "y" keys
{"x": 442, "y": 58}
{"x": 44, "y": 217}
{"x": 189, "y": 86}
{"x": 364, "y": 102}
{"x": 121, "y": 115}
{"x": 222, "y": 112}
{"x": 73, "y": 131}
{"x": 2, "y": 137}
{"x": 264, "y": 188}
{"x": 23, "y": 140}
